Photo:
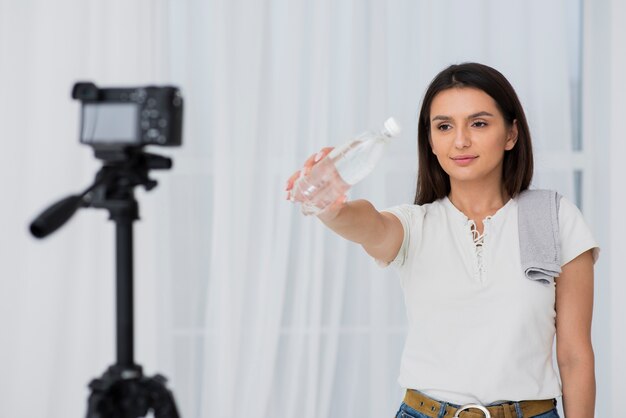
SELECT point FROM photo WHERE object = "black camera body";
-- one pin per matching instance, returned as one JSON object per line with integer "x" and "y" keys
{"x": 119, "y": 118}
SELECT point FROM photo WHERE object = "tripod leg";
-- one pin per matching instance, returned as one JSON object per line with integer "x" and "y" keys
{"x": 163, "y": 403}
{"x": 99, "y": 404}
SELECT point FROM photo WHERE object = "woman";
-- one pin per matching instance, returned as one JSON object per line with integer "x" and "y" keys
{"x": 480, "y": 332}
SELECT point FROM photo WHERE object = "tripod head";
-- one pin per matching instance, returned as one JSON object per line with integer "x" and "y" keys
{"x": 113, "y": 188}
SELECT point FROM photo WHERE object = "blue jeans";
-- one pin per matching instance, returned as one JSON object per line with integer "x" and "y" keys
{"x": 406, "y": 411}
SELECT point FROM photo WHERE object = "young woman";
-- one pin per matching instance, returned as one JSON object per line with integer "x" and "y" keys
{"x": 481, "y": 332}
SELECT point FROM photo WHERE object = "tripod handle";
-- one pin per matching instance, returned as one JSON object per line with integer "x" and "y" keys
{"x": 55, "y": 216}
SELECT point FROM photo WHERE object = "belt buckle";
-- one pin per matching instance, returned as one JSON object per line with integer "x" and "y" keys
{"x": 472, "y": 406}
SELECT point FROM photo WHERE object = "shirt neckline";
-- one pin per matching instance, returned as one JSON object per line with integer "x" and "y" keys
{"x": 464, "y": 219}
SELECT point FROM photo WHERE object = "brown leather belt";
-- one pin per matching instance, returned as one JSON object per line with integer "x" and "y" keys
{"x": 431, "y": 407}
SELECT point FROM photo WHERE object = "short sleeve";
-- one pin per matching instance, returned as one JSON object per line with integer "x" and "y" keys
{"x": 411, "y": 217}
{"x": 575, "y": 234}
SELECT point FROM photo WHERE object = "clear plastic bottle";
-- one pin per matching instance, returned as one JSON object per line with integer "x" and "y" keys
{"x": 342, "y": 168}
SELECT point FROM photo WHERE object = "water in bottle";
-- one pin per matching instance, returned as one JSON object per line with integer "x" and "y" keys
{"x": 343, "y": 167}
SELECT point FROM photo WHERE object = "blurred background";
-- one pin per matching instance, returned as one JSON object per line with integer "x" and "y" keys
{"x": 248, "y": 307}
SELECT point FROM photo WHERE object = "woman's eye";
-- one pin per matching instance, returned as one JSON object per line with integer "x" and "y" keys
{"x": 479, "y": 124}
{"x": 444, "y": 127}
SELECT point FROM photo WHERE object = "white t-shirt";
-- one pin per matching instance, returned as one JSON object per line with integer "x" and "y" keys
{"x": 479, "y": 330}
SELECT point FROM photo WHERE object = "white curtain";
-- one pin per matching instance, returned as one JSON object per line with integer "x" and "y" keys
{"x": 248, "y": 307}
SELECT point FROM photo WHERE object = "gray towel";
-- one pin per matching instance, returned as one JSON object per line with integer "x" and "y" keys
{"x": 539, "y": 243}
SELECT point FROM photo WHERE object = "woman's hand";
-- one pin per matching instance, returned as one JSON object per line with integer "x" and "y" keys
{"x": 380, "y": 234}
{"x": 331, "y": 211}
{"x": 306, "y": 169}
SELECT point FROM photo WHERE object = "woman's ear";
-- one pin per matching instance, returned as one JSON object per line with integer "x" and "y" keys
{"x": 511, "y": 138}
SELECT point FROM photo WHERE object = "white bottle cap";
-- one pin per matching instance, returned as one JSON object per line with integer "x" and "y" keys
{"x": 392, "y": 127}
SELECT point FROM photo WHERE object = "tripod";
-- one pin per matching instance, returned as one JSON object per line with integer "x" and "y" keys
{"x": 122, "y": 391}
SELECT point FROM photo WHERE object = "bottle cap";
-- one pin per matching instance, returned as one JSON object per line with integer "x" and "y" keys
{"x": 392, "y": 127}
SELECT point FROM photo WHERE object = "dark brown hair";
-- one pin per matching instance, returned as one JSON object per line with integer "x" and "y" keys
{"x": 432, "y": 181}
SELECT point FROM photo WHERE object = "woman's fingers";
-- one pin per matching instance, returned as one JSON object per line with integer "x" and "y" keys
{"x": 296, "y": 175}
{"x": 292, "y": 179}
{"x": 315, "y": 158}
{"x": 306, "y": 168}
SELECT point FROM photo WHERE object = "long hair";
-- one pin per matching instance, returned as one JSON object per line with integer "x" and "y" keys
{"x": 433, "y": 182}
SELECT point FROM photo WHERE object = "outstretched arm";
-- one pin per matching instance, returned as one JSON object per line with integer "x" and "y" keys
{"x": 379, "y": 233}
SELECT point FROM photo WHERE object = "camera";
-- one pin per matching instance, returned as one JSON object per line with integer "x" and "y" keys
{"x": 119, "y": 118}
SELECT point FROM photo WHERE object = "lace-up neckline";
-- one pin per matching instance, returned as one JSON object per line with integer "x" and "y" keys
{"x": 479, "y": 241}
{"x": 477, "y": 236}
{"x": 473, "y": 236}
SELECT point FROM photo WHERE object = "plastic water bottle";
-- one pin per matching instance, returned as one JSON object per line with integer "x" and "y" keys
{"x": 342, "y": 168}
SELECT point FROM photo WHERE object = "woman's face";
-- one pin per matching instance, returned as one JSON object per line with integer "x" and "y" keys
{"x": 469, "y": 135}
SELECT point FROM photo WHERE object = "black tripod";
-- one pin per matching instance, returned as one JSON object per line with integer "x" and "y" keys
{"x": 122, "y": 391}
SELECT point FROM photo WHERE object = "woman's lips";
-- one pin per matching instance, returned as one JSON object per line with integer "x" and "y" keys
{"x": 464, "y": 160}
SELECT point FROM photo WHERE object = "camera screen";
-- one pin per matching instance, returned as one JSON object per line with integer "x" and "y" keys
{"x": 110, "y": 123}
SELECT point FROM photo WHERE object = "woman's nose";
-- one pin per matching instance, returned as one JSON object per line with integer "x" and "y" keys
{"x": 462, "y": 139}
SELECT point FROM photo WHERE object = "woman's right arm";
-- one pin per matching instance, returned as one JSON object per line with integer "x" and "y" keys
{"x": 380, "y": 233}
